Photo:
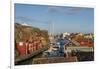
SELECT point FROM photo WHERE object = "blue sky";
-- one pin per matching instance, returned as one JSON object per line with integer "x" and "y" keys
{"x": 63, "y": 18}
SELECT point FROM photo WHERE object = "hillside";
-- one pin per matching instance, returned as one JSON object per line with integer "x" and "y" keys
{"x": 23, "y": 32}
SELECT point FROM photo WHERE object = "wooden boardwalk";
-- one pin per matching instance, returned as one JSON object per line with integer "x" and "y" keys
{"x": 54, "y": 60}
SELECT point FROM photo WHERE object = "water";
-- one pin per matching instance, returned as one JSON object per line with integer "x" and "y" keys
{"x": 85, "y": 56}
{"x": 29, "y": 61}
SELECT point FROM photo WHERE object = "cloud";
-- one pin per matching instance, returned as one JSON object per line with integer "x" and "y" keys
{"x": 64, "y": 10}
{"x": 54, "y": 9}
{"x": 28, "y": 19}
{"x": 75, "y": 9}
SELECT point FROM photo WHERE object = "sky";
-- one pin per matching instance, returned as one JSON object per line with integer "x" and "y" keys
{"x": 56, "y": 19}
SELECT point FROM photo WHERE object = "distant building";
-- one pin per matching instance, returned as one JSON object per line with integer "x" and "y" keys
{"x": 25, "y": 24}
{"x": 88, "y": 36}
{"x": 66, "y": 34}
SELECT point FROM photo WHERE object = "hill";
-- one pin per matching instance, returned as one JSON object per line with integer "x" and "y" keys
{"x": 26, "y": 32}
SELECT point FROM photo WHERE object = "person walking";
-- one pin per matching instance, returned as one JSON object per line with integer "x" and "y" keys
{"x": 62, "y": 43}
